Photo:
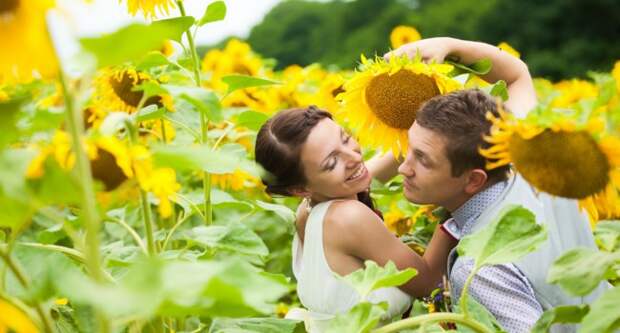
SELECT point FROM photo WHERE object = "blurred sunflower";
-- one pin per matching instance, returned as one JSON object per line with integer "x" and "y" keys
{"x": 236, "y": 58}
{"x": 236, "y": 181}
{"x": 402, "y": 35}
{"x": 114, "y": 90}
{"x": 571, "y": 91}
{"x": 27, "y": 50}
{"x": 509, "y": 49}
{"x": 615, "y": 73}
{"x": 565, "y": 158}
{"x": 329, "y": 89}
{"x": 396, "y": 221}
{"x": 150, "y": 8}
{"x": 380, "y": 101}
{"x": 14, "y": 320}
{"x": 112, "y": 161}
{"x": 605, "y": 206}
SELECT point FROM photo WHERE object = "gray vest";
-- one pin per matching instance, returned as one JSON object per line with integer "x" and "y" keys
{"x": 567, "y": 228}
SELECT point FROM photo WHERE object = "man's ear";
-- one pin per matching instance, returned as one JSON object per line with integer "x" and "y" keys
{"x": 476, "y": 180}
{"x": 301, "y": 192}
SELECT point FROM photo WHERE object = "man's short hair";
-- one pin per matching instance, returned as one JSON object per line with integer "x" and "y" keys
{"x": 460, "y": 117}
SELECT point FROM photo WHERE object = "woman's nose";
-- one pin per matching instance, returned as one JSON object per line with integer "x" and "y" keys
{"x": 353, "y": 157}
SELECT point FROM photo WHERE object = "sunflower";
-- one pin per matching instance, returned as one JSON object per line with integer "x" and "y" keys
{"x": 13, "y": 319}
{"x": 114, "y": 90}
{"x": 27, "y": 50}
{"x": 236, "y": 58}
{"x": 615, "y": 73}
{"x": 572, "y": 91}
{"x": 112, "y": 161}
{"x": 236, "y": 181}
{"x": 509, "y": 49}
{"x": 396, "y": 221}
{"x": 559, "y": 156}
{"x": 149, "y": 8}
{"x": 402, "y": 35}
{"x": 329, "y": 89}
{"x": 380, "y": 101}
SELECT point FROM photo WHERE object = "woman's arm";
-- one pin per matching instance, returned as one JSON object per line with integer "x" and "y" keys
{"x": 522, "y": 96}
{"x": 358, "y": 232}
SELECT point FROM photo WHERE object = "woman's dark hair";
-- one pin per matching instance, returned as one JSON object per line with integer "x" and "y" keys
{"x": 278, "y": 149}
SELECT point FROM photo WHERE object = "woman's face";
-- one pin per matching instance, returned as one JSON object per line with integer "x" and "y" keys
{"x": 332, "y": 163}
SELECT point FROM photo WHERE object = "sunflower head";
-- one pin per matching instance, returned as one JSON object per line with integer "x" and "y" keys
{"x": 557, "y": 156}
{"x": 402, "y": 35}
{"x": 115, "y": 90}
{"x": 149, "y": 8}
{"x": 380, "y": 101}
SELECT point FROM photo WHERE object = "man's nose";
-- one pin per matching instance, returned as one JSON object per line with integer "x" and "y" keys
{"x": 405, "y": 169}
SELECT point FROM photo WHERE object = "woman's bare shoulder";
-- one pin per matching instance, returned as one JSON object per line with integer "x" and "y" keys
{"x": 346, "y": 215}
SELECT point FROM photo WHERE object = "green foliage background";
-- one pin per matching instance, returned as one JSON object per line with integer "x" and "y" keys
{"x": 557, "y": 38}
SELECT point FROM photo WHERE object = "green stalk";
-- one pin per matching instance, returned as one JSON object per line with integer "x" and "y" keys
{"x": 204, "y": 122}
{"x": 23, "y": 280}
{"x": 144, "y": 202}
{"x": 465, "y": 293}
{"x": 432, "y": 318}
{"x": 91, "y": 218}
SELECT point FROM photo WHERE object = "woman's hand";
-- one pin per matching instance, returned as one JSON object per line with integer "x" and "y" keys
{"x": 430, "y": 49}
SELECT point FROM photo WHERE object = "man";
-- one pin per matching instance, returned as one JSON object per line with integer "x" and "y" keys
{"x": 443, "y": 167}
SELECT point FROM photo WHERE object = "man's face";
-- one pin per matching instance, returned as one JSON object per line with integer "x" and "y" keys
{"x": 427, "y": 171}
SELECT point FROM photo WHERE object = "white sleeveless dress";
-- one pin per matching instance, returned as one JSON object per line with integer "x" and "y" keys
{"x": 320, "y": 292}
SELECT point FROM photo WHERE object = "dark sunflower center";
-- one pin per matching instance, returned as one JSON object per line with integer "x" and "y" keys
{"x": 395, "y": 99}
{"x": 8, "y": 6}
{"x": 566, "y": 164}
{"x": 105, "y": 169}
{"x": 123, "y": 86}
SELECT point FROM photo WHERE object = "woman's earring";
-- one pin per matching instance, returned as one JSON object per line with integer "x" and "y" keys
{"x": 306, "y": 202}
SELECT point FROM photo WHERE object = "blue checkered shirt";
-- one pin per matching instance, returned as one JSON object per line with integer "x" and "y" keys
{"x": 502, "y": 289}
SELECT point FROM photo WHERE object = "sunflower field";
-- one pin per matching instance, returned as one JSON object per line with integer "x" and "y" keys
{"x": 131, "y": 201}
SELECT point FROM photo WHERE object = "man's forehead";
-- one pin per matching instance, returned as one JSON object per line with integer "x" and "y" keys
{"x": 426, "y": 140}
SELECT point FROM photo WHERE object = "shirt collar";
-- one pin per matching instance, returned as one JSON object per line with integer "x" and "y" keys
{"x": 472, "y": 208}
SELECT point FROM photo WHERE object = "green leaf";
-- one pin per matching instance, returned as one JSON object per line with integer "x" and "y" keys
{"x": 480, "y": 67}
{"x": 252, "y": 120}
{"x": 9, "y": 111}
{"x": 580, "y": 270}
{"x": 478, "y": 312}
{"x": 152, "y": 286}
{"x": 360, "y": 319}
{"x": 498, "y": 89}
{"x": 604, "y": 315}
{"x": 203, "y": 100}
{"x": 195, "y": 158}
{"x": 236, "y": 82}
{"x": 153, "y": 59}
{"x": 233, "y": 237}
{"x": 373, "y": 277}
{"x": 133, "y": 41}
{"x": 560, "y": 315}
{"x": 511, "y": 236}
{"x": 607, "y": 235}
{"x": 282, "y": 211}
{"x": 43, "y": 268}
{"x": 151, "y": 112}
{"x": 256, "y": 325}
{"x": 216, "y": 11}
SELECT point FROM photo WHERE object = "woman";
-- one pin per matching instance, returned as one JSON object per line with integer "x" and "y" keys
{"x": 310, "y": 156}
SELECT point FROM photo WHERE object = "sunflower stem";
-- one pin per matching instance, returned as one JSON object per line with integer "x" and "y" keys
{"x": 439, "y": 317}
{"x": 204, "y": 122}
{"x": 144, "y": 201}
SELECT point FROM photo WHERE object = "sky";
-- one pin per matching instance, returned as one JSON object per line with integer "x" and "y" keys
{"x": 109, "y": 15}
